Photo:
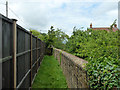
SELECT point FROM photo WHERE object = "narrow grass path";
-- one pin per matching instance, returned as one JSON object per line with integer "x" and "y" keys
{"x": 50, "y": 75}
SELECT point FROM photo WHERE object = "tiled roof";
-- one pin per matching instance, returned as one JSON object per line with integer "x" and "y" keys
{"x": 105, "y": 28}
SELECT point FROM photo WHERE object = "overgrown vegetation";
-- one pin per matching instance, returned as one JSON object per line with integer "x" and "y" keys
{"x": 50, "y": 75}
{"x": 42, "y": 36}
{"x": 98, "y": 47}
{"x": 56, "y": 38}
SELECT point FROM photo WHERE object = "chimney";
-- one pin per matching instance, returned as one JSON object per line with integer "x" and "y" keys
{"x": 91, "y": 25}
{"x": 115, "y": 25}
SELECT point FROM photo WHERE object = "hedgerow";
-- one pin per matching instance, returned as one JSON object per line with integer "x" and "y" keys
{"x": 100, "y": 49}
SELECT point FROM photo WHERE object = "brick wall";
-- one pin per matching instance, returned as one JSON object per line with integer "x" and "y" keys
{"x": 73, "y": 69}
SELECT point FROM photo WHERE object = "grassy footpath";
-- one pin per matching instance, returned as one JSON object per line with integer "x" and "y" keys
{"x": 50, "y": 75}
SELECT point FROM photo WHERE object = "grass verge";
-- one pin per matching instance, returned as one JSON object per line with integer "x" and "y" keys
{"x": 50, "y": 75}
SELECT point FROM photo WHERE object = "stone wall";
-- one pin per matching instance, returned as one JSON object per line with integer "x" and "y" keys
{"x": 73, "y": 69}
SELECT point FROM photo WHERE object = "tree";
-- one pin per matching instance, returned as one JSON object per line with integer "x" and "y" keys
{"x": 111, "y": 27}
{"x": 37, "y": 33}
{"x": 51, "y": 35}
{"x": 57, "y": 38}
{"x": 60, "y": 39}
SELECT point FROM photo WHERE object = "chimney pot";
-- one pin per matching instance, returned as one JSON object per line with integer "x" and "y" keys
{"x": 115, "y": 25}
{"x": 91, "y": 25}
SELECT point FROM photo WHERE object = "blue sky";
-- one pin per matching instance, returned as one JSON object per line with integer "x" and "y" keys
{"x": 63, "y": 14}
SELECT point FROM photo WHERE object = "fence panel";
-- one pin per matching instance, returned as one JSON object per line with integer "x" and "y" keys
{"x": 39, "y": 48}
{"x": 7, "y": 63}
{"x": 21, "y": 58}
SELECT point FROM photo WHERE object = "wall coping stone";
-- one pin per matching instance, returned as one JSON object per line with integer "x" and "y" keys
{"x": 76, "y": 60}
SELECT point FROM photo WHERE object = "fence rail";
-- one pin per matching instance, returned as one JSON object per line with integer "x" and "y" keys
{"x": 22, "y": 54}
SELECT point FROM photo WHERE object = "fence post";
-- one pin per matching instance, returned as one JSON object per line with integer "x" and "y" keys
{"x": 40, "y": 52}
{"x": 14, "y": 50}
{"x": 31, "y": 59}
{"x": 37, "y": 53}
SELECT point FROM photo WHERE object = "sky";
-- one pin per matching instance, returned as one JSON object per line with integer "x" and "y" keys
{"x": 62, "y": 14}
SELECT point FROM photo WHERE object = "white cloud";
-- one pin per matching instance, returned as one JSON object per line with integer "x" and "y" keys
{"x": 64, "y": 14}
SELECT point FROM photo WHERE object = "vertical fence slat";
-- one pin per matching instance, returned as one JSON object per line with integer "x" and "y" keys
{"x": 14, "y": 50}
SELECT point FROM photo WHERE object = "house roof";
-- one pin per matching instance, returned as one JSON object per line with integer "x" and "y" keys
{"x": 104, "y": 28}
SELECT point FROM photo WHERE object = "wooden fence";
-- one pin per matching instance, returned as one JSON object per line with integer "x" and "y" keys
{"x": 22, "y": 54}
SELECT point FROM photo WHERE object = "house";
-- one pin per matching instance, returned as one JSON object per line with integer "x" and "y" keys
{"x": 104, "y": 28}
